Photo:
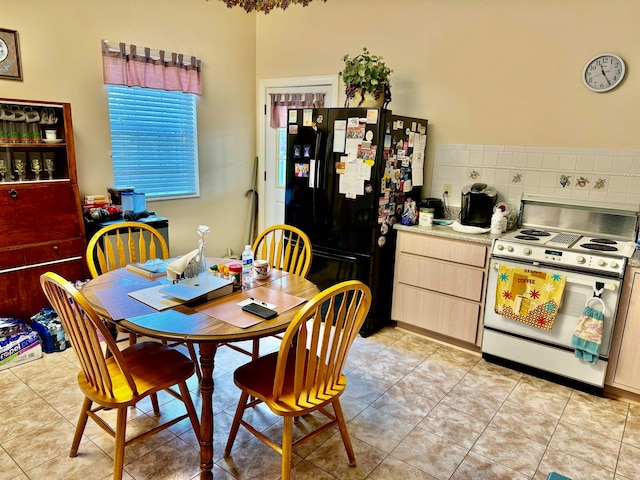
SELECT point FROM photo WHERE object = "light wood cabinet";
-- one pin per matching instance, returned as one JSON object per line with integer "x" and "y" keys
{"x": 40, "y": 214}
{"x": 623, "y": 371}
{"x": 439, "y": 286}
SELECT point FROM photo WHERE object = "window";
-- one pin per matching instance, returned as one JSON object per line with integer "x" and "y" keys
{"x": 154, "y": 141}
{"x": 281, "y": 148}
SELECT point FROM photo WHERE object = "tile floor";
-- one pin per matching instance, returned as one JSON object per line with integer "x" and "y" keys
{"x": 416, "y": 409}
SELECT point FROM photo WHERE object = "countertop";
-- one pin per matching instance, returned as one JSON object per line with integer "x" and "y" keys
{"x": 448, "y": 232}
{"x": 485, "y": 238}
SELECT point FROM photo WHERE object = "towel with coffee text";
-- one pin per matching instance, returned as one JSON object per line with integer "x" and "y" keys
{"x": 529, "y": 296}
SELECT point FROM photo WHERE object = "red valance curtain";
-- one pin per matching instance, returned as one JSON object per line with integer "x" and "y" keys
{"x": 124, "y": 66}
{"x": 280, "y": 102}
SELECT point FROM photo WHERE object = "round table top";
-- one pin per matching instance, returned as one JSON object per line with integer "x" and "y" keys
{"x": 187, "y": 323}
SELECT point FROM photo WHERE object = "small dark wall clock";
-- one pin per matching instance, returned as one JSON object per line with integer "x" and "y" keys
{"x": 10, "y": 67}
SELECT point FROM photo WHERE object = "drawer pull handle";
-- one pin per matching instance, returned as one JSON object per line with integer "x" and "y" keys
{"x": 13, "y": 193}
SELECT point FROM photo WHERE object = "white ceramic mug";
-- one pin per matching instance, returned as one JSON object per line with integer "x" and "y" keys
{"x": 261, "y": 269}
{"x": 50, "y": 134}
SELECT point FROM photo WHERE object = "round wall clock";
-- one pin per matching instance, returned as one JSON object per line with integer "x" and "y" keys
{"x": 4, "y": 50}
{"x": 603, "y": 72}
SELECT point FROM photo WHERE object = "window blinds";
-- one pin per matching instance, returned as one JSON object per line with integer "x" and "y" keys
{"x": 154, "y": 141}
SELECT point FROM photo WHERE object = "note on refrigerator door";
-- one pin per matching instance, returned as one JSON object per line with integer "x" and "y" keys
{"x": 350, "y": 184}
{"x": 339, "y": 135}
{"x": 417, "y": 163}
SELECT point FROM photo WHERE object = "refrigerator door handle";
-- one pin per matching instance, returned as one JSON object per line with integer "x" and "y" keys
{"x": 332, "y": 256}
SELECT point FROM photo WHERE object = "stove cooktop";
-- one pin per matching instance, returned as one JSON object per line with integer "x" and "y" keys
{"x": 565, "y": 250}
{"x": 570, "y": 241}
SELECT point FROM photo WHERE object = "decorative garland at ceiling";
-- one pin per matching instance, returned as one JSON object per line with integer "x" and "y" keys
{"x": 265, "y": 6}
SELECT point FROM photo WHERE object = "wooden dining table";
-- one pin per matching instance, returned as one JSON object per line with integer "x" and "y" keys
{"x": 198, "y": 328}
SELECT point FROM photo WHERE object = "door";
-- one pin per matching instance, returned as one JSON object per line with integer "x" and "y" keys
{"x": 272, "y": 142}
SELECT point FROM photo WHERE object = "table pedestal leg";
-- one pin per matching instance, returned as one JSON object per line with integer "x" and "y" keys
{"x": 207, "y": 354}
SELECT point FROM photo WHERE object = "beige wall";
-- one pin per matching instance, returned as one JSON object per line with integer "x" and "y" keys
{"x": 482, "y": 72}
{"x": 505, "y": 72}
{"x": 61, "y": 60}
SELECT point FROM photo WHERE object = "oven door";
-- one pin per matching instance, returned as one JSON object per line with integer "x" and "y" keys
{"x": 578, "y": 288}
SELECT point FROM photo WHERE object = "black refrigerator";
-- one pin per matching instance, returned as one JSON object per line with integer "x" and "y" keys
{"x": 351, "y": 174}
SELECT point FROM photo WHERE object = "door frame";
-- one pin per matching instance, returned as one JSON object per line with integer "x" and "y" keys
{"x": 292, "y": 82}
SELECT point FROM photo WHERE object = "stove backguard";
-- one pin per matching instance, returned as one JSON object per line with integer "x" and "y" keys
{"x": 618, "y": 222}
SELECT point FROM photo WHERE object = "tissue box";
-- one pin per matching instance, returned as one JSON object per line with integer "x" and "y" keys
{"x": 18, "y": 343}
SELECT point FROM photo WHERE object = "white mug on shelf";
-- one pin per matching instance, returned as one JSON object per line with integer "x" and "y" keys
{"x": 261, "y": 269}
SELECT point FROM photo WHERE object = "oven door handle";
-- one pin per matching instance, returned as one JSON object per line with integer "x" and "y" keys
{"x": 607, "y": 286}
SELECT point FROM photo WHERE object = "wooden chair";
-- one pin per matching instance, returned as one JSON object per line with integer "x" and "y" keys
{"x": 286, "y": 248}
{"x": 306, "y": 374}
{"x": 120, "y": 244}
{"x": 124, "y": 377}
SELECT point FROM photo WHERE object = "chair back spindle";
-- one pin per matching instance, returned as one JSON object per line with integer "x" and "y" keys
{"x": 86, "y": 332}
{"x": 121, "y": 244}
{"x": 286, "y": 248}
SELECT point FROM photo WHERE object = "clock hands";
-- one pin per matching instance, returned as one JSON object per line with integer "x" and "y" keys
{"x": 604, "y": 74}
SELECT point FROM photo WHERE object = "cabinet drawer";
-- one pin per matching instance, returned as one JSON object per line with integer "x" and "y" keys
{"x": 446, "y": 249}
{"x": 46, "y": 252}
{"x": 449, "y": 316}
{"x": 11, "y": 259}
{"x": 37, "y": 213}
{"x": 448, "y": 278}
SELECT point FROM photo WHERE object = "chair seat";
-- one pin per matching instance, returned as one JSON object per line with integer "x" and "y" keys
{"x": 257, "y": 378}
{"x": 143, "y": 360}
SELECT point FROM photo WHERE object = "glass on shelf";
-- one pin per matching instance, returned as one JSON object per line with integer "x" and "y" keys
{"x": 35, "y": 158}
{"x": 49, "y": 163}
{"x": 20, "y": 164}
{"x": 5, "y": 166}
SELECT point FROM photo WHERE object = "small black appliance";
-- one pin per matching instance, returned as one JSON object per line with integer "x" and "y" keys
{"x": 477, "y": 205}
{"x": 436, "y": 204}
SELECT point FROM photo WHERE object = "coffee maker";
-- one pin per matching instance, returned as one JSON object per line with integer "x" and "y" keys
{"x": 477, "y": 205}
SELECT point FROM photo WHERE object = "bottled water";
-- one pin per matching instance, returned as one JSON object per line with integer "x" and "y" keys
{"x": 247, "y": 266}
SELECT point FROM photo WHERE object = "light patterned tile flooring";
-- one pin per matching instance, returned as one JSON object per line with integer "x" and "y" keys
{"x": 416, "y": 409}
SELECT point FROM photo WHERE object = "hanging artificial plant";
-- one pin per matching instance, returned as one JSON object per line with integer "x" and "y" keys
{"x": 366, "y": 73}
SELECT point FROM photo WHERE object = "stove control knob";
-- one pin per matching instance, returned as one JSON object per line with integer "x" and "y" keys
{"x": 614, "y": 264}
{"x": 510, "y": 248}
{"x": 527, "y": 251}
{"x": 580, "y": 259}
{"x": 601, "y": 263}
{"x": 500, "y": 246}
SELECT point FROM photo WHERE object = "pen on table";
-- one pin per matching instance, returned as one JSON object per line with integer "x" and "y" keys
{"x": 259, "y": 302}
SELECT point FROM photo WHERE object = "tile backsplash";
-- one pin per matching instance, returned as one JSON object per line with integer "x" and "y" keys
{"x": 608, "y": 175}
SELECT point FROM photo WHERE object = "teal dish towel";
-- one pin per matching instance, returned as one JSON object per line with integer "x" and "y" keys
{"x": 587, "y": 337}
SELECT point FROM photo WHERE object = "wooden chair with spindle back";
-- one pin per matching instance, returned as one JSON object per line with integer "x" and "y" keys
{"x": 120, "y": 244}
{"x": 305, "y": 375}
{"x": 286, "y": 248}
{"x": 115, "y": 379}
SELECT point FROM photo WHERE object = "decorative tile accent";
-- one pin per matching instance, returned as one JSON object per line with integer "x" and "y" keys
{"x": 582, "y": 183}
{"x": 474, "y": 175}
{"x": 564, "y": 180}
{"x": 600, "y": 184}
{"x": 517, "y": 177}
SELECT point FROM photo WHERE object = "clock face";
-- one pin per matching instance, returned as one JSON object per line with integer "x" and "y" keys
{"x": 603, "y": 72}
{"x": 4, "y": 50}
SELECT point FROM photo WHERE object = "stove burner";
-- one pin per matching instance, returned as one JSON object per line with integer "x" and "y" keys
{"x": 599, "y": 247}
{"x": 535, "y": 233}
{"x": 603, "y": 241}
{"x": 527, "y": 237}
